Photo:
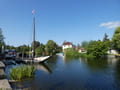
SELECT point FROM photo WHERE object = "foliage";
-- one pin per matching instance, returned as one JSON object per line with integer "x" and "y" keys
{"x": 84, "y": 44}
{"x": 105, "y": 38}
{"x": 97, "y": 48}
{"x": 37, "y": 44}
{"x": 116, "y": 39}
{"x": 50, "y": 47}
{"x": 71, "y": 52}
{"x": 76, "y": 54}
{"x": 1, "y": 39}
{"x": 22, "y": 48}
{"x": 40, "y": 51}
{"x": 22, "y": 72}
{"x": 1, "y": 36}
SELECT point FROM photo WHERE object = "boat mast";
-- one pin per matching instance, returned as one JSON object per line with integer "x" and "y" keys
{"x": 33, "y": 46}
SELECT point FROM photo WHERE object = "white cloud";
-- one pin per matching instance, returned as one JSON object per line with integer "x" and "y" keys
{"x": 110, "y": 25}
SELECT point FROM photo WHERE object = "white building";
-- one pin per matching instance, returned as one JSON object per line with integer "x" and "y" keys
{"x": 67, "y": 45}
{"x": 81, "y": 50}
{"x": 112, "y": 52}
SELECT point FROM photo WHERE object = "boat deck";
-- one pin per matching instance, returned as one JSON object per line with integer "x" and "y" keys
{"x": 36, "y": 60}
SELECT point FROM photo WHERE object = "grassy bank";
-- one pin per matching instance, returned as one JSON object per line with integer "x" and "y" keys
{"x": 75, "y": 53}
{"x": 21, "y": 72}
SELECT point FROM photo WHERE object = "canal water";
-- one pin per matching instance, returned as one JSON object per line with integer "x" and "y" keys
{"x": 73, "y": 73}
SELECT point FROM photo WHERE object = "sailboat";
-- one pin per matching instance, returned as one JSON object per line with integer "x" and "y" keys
{"x": 35, "y": 59}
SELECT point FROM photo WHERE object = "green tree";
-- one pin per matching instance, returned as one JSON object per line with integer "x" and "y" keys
{"x": 1, "y": 39}
{"x": 37, "y": 44}
{"x": 105, "y": 38}
{"x": 1, "y": 36}
{"x": 50, "y": 47}
{"x": 116, "y": 39}
{"x": 97, "y": 48}
{"x": 107, "y": 41}
{"x": 23, "y": 49}
{"x": 84, "y": 44}
{"x": 40, "y": 51}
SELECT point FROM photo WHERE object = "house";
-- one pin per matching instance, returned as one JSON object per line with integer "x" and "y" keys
{"x": 81, "y": 50}
{"x": 67, "y": 45}
{"x": 112, "y": 51}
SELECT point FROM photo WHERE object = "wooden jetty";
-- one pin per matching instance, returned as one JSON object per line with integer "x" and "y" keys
{"x": 36, "y": 60}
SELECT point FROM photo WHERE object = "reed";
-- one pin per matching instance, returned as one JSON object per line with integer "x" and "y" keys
{"x": 21, "y": 72}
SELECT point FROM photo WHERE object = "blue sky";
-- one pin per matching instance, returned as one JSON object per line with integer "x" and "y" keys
{"x": 58, "y": 20}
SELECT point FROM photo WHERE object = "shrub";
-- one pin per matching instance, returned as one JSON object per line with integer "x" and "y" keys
{"x": 21, "y": 72}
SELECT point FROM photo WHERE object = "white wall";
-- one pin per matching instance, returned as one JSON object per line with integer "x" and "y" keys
{"x": 112, "y": 52}
{"x": 66, "y": 46}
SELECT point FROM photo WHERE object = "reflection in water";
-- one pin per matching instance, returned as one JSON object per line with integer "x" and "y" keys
{"x": 117, "y": 74}
{"x": 43, "y": 67}
{"x": 68, "y": 60}
{"x": 73, "y": 73}
{"x": 96, "y": 64}
{"x": 51, "y": 63}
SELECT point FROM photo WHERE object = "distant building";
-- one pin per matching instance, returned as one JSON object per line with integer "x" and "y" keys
{"x": 112, "y": 51}
{"x": 67, "y": 45}
{"x": 81, "y": 50}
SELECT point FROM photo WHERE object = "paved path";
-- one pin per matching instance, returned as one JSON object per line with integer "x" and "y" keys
{"x": 4, "y": 85}
{"x": 2, "y": 65}
{"x": 2, "y": 73}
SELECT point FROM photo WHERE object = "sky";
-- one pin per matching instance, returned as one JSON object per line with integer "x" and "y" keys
{"x": 58, "y": 20}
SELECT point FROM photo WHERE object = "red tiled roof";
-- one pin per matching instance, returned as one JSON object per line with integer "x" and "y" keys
{"x": 67, "y": 43}
{"x": 82, "y": 48}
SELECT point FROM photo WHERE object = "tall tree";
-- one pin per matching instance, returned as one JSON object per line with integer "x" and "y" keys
{"x": 116, "y": 39}
{"x": 37, "y": 44}
{"x": 84, "y": 44}
{"x": 50, "y": 47}
{"x": 97, "y": 48}
{"x": 1, "y": 36}
{"x": 1, "y": 39}
{"x": 40, "y": 50}
{"x": 105, "y": 38}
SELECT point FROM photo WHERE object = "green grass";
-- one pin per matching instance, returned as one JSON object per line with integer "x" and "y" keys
{"x": 21, "y": 72}
{"x": 74, "y": 53}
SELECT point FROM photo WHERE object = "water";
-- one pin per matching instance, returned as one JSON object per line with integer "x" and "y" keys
{"x": 73, "y": 73}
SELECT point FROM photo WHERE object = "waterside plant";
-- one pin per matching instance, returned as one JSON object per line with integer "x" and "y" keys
{"x": 21, "y": 72}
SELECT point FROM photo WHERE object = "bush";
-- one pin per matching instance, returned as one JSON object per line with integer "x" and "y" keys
{"x": 97, "y": 49}
{"x": 73, "y": 53}
{"x": 22, "y": 72}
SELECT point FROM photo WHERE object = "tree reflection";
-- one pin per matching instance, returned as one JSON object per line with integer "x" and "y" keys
{"x": 117, "y": 74}
{"x": 96, "y": 64}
